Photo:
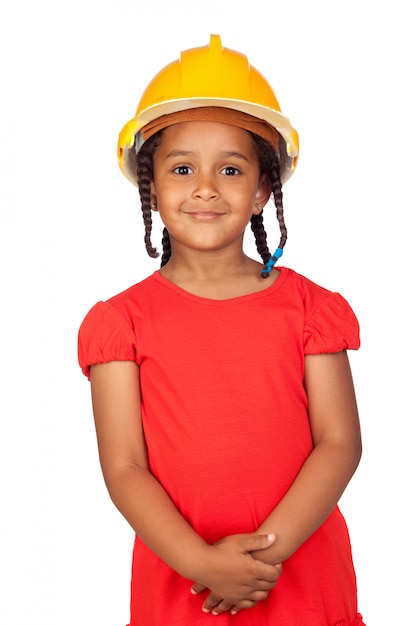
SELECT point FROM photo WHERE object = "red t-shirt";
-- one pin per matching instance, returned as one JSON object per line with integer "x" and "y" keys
{"x": 225, "y": 418}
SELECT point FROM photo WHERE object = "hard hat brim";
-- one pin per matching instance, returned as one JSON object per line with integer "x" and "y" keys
{"x": 129, "y": 139}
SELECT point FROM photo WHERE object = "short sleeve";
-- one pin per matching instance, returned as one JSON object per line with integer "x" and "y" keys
{"x": 332, "y": 327}
{"x": 105, "y": 335}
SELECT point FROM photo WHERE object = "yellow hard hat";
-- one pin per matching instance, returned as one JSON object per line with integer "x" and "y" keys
{"x": 206, "y": 77}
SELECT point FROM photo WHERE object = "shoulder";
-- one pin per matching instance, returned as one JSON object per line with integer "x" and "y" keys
{"x": 138, "y": 291}
{"x": 310, "y": 291}
{"x": 127, "y": 304}
{"x": 330, "y": 324}
{"x": 108, "y": 331}
{"x": 300, "y": 287}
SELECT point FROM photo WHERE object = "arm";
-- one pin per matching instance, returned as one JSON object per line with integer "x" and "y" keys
{"x": 326, "y": 472}
{"x": 335, "y": 429}
{"x": 228, "y": 569}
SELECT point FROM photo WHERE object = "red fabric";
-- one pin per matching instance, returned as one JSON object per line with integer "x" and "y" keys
{"x": 225, "y": 419}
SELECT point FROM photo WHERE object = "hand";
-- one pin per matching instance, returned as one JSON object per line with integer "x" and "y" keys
{"x": 235, "y": 579}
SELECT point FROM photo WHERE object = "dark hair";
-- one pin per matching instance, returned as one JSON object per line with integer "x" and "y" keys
{"x": 268, "y": 166}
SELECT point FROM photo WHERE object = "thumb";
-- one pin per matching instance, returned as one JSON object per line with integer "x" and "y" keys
{"x": 258, "y": 542}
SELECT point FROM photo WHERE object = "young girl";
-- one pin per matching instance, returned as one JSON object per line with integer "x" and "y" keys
{"x": 223, "y": 399}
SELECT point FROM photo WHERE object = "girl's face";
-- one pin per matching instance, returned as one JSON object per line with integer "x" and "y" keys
{"x": 206, "y": 185}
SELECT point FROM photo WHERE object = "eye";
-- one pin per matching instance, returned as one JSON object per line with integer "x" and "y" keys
{"x": 230, "y": 171}
{"x": 182, "y": 170}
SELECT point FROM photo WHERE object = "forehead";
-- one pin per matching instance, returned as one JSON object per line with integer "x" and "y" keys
{"x": 195, "y": 133}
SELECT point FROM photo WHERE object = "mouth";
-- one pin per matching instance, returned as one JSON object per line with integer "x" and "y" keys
{"x": 205, "y": 216}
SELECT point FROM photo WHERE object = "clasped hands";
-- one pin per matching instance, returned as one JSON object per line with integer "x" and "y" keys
{"x": 235, "y": 575}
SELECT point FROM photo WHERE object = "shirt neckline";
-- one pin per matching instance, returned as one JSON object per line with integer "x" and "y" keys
{"x": 228, "y": 301}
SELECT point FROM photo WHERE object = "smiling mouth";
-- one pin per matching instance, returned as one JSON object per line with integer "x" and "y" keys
{"x": 205, "y": 215}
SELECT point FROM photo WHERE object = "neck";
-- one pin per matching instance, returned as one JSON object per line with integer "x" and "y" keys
{"x": 206, "y": 266}
{"x": 215, "y": 279}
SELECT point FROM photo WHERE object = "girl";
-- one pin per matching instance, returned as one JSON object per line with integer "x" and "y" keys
{"x": 223, "y": 400}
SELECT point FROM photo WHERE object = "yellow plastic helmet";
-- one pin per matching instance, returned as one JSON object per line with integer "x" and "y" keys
{"x": 202, "y": 77}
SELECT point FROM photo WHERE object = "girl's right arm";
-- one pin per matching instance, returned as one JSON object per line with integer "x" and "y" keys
{"x": 227, "y": 568}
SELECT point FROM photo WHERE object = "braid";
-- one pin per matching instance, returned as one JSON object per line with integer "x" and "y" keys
{"x": 257, "y": 226}
{"x": 268, "y": 166}
{"x": 278, "y": 196}
{"x": 166, "y": 246}
{"x": 145, "y": 175}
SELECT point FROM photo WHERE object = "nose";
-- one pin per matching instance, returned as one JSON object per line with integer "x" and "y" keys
{"x": 205, "y": 186}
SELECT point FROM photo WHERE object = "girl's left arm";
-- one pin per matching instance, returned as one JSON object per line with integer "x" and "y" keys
{"x": 336, "y": 453}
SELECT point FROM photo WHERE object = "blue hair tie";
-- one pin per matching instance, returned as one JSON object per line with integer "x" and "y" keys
{"x": 266, "y": 270}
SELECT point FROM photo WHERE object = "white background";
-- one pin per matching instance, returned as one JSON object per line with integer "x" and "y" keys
{"x": 71, "y": 234}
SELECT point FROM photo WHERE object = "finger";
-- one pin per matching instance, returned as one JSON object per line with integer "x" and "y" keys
{"x": 197, "y": 588}
{"x": 261, "y": 586}
{"x": 257, "y": 542}
{"x": 211, "y": 602}
{"x": 266, "y": 573}
{"x": 222, "y": 607}
{"x": 247, "y": 603}
{"x": 242, "y": 605}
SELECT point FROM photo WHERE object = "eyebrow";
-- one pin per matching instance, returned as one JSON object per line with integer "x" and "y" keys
{"x": 225, "y": 154}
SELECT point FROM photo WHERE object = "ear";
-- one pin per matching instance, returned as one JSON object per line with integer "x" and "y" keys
{"x": 263, "y": 194}
{"x": 154, "y": 203}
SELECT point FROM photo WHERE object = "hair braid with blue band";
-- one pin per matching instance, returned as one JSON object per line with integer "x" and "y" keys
{"x": 274, "y": 258}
